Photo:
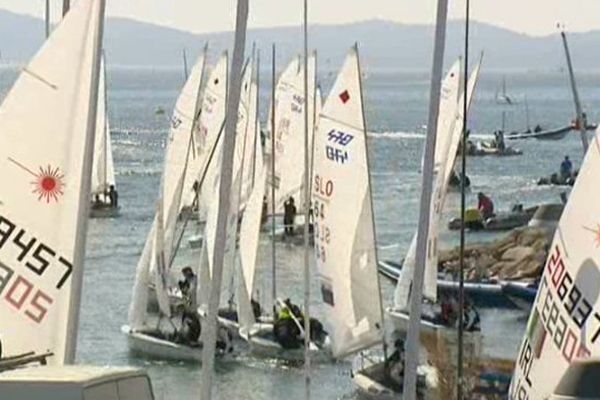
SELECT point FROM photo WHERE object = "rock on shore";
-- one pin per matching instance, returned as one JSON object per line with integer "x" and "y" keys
{"x": 520, "y": 255}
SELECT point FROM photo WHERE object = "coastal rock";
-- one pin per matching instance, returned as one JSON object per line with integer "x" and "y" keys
{"x": 520, "y": 255}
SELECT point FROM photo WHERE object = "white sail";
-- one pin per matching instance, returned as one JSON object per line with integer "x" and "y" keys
{"x": 251, "y": 136}
{"x": 344, "y": 231}
{"x": 103, "y": 169}
{"x": 211, "y": 124}
{"x": 289, "y": 131}
{"x": 564, "y": 323}
{"x": 445, "y": 130}
{"x": 45, "y": 154}
{"x": 139, "y": 300}
{"x": 249, "y": 241}
{"x": 181, "y": 144}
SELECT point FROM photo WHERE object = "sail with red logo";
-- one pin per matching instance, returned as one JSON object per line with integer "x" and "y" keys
{"x": 48, "y": 123}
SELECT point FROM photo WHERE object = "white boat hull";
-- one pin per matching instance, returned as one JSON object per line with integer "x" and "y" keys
{"x": 150, "y": 346}
{"x": 261, "y": 344}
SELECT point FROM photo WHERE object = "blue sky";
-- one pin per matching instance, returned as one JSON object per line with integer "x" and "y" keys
{"x": 535, "y": 17}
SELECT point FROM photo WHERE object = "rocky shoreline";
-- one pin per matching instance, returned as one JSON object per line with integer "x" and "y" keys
{"x": 520, "y": 255}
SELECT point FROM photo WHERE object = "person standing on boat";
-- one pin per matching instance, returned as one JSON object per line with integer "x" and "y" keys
{"x": 471, "y": 318}
{"x": 485, "y": 206}
{"x": 189, "y": 287}
{"x": 289, "y": 215}
{"x": 113, "y": 197}
{"x": 396, "y": 363}
{"x": 566, "y": 168}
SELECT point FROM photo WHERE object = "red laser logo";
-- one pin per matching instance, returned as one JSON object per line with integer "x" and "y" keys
{"x": 48, "y": 183}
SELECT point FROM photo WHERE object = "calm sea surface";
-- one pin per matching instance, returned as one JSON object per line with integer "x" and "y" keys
{"x": 396, "y": 104}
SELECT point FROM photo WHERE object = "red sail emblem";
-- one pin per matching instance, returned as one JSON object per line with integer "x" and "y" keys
{"x": 48, "y": 183}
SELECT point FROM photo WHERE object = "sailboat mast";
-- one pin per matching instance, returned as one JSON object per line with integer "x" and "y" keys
{"x": 105, "y": 131}
{"x": 579, "y": 112}
{"x": 66, "y": 7}
{"x": 527, "y": 113}
{"x": 362, "y": 106}
{"x": 307, "y": 338}
{"x": 185, "y": 65}
{"x": 47, "y": 18}
{"x": 273, "y": 209}
{"x": 84, "y": 203}
{"x": 233, "y": 100}
{"x": 412, "y": 342}
{"x": 461, "y": 281}
{"x": 257, "y": 119}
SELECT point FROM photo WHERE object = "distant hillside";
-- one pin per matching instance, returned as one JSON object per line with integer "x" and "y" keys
{"x": 384, "y": 45}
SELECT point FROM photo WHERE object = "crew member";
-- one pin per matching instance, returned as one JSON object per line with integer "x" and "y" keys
{"x": 485, "y": 206}
{"x": 566, "y": 168}
{"x": 289, "y": 215}
{"x": 189, "y": 288}
{"x": 471, "y": 320}
{"x": 113, "y": 196}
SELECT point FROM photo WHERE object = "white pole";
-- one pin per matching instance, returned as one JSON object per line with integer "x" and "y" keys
{"x": 84, "y": 195}
{"x": 47, "y": 18}
{"x": 412, "y": 342}
{"x": 307, "y": 249}
{"x": 233, "y": 100}
{"x": 273, "y": 210}
{"x": 185, "y": 65}
{"x": 579, "y": 112}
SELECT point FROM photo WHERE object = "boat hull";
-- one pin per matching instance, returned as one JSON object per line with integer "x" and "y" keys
{"x": 147, "y": 345}
{"x": 523, "y": 295}
{"x": 553, "y": 134}
{"x": 105, "y": 212}
{"x": 482, "y": 294}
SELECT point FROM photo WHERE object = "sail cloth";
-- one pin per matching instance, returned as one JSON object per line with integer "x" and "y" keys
{"x": 139, "y": 301}
{"x": 445, "y": 130}
{"x": 212, "y": 121}
{"x": 103, "y": 169}
{"x": 289, "y": 131}
{"x": 344, "y": 231}
{"x": 180, "y": 151}
{"x": 564, "y": 323}
{"x": 43, "y": 143}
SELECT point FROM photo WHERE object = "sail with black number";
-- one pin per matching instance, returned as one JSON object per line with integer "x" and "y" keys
{"x": 564, "y": 323}
{"x": 47, "y": 128}
{"x": 344, "y": 230}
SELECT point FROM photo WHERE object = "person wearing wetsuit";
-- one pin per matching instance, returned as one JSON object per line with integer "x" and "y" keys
{"x": 289, "y": 215}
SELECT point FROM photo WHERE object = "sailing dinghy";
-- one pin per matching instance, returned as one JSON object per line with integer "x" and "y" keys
{"x": 449, "y": 133}
{"x": 103, "y": 169}
{"x": 563, "y": 324}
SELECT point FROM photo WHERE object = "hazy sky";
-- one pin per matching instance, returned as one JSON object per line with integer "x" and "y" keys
{"x": 536, "y": 17}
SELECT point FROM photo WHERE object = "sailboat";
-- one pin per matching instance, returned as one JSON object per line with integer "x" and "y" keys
{"x": 563, "y": 324}
{"x": 289, "y": 137}
{"x": 448, "y": 139}
{"x": 182, "y": 169}
{"x": 103, "y": 170}
{"x": 502, "y": 97}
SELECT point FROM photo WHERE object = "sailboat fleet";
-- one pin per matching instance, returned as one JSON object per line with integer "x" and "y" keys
{"x": 68, "y": 176}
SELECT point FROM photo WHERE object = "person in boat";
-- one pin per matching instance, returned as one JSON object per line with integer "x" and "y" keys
{"x": 286, "y": 330}
{"x": 566, "y": 169}
{"x": 396, "y": 363}
{"x": 97, "y": 203}
{"x": 189, "y": 287}
{"x": 537, "y": 128}
{"x": 224, "y": 339}
{"x": 289, "y": 215}
{"x": 191, "y": 328}
{"x": 455, "y": 180}
{"x": 256, "y": 308}
{"x": 500, "y": 145}
{"x": 113, "y": 196}
{"x": 448, "y": 311}
{"x": 471, "y": 320}
{"x": 485, "y": 206}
